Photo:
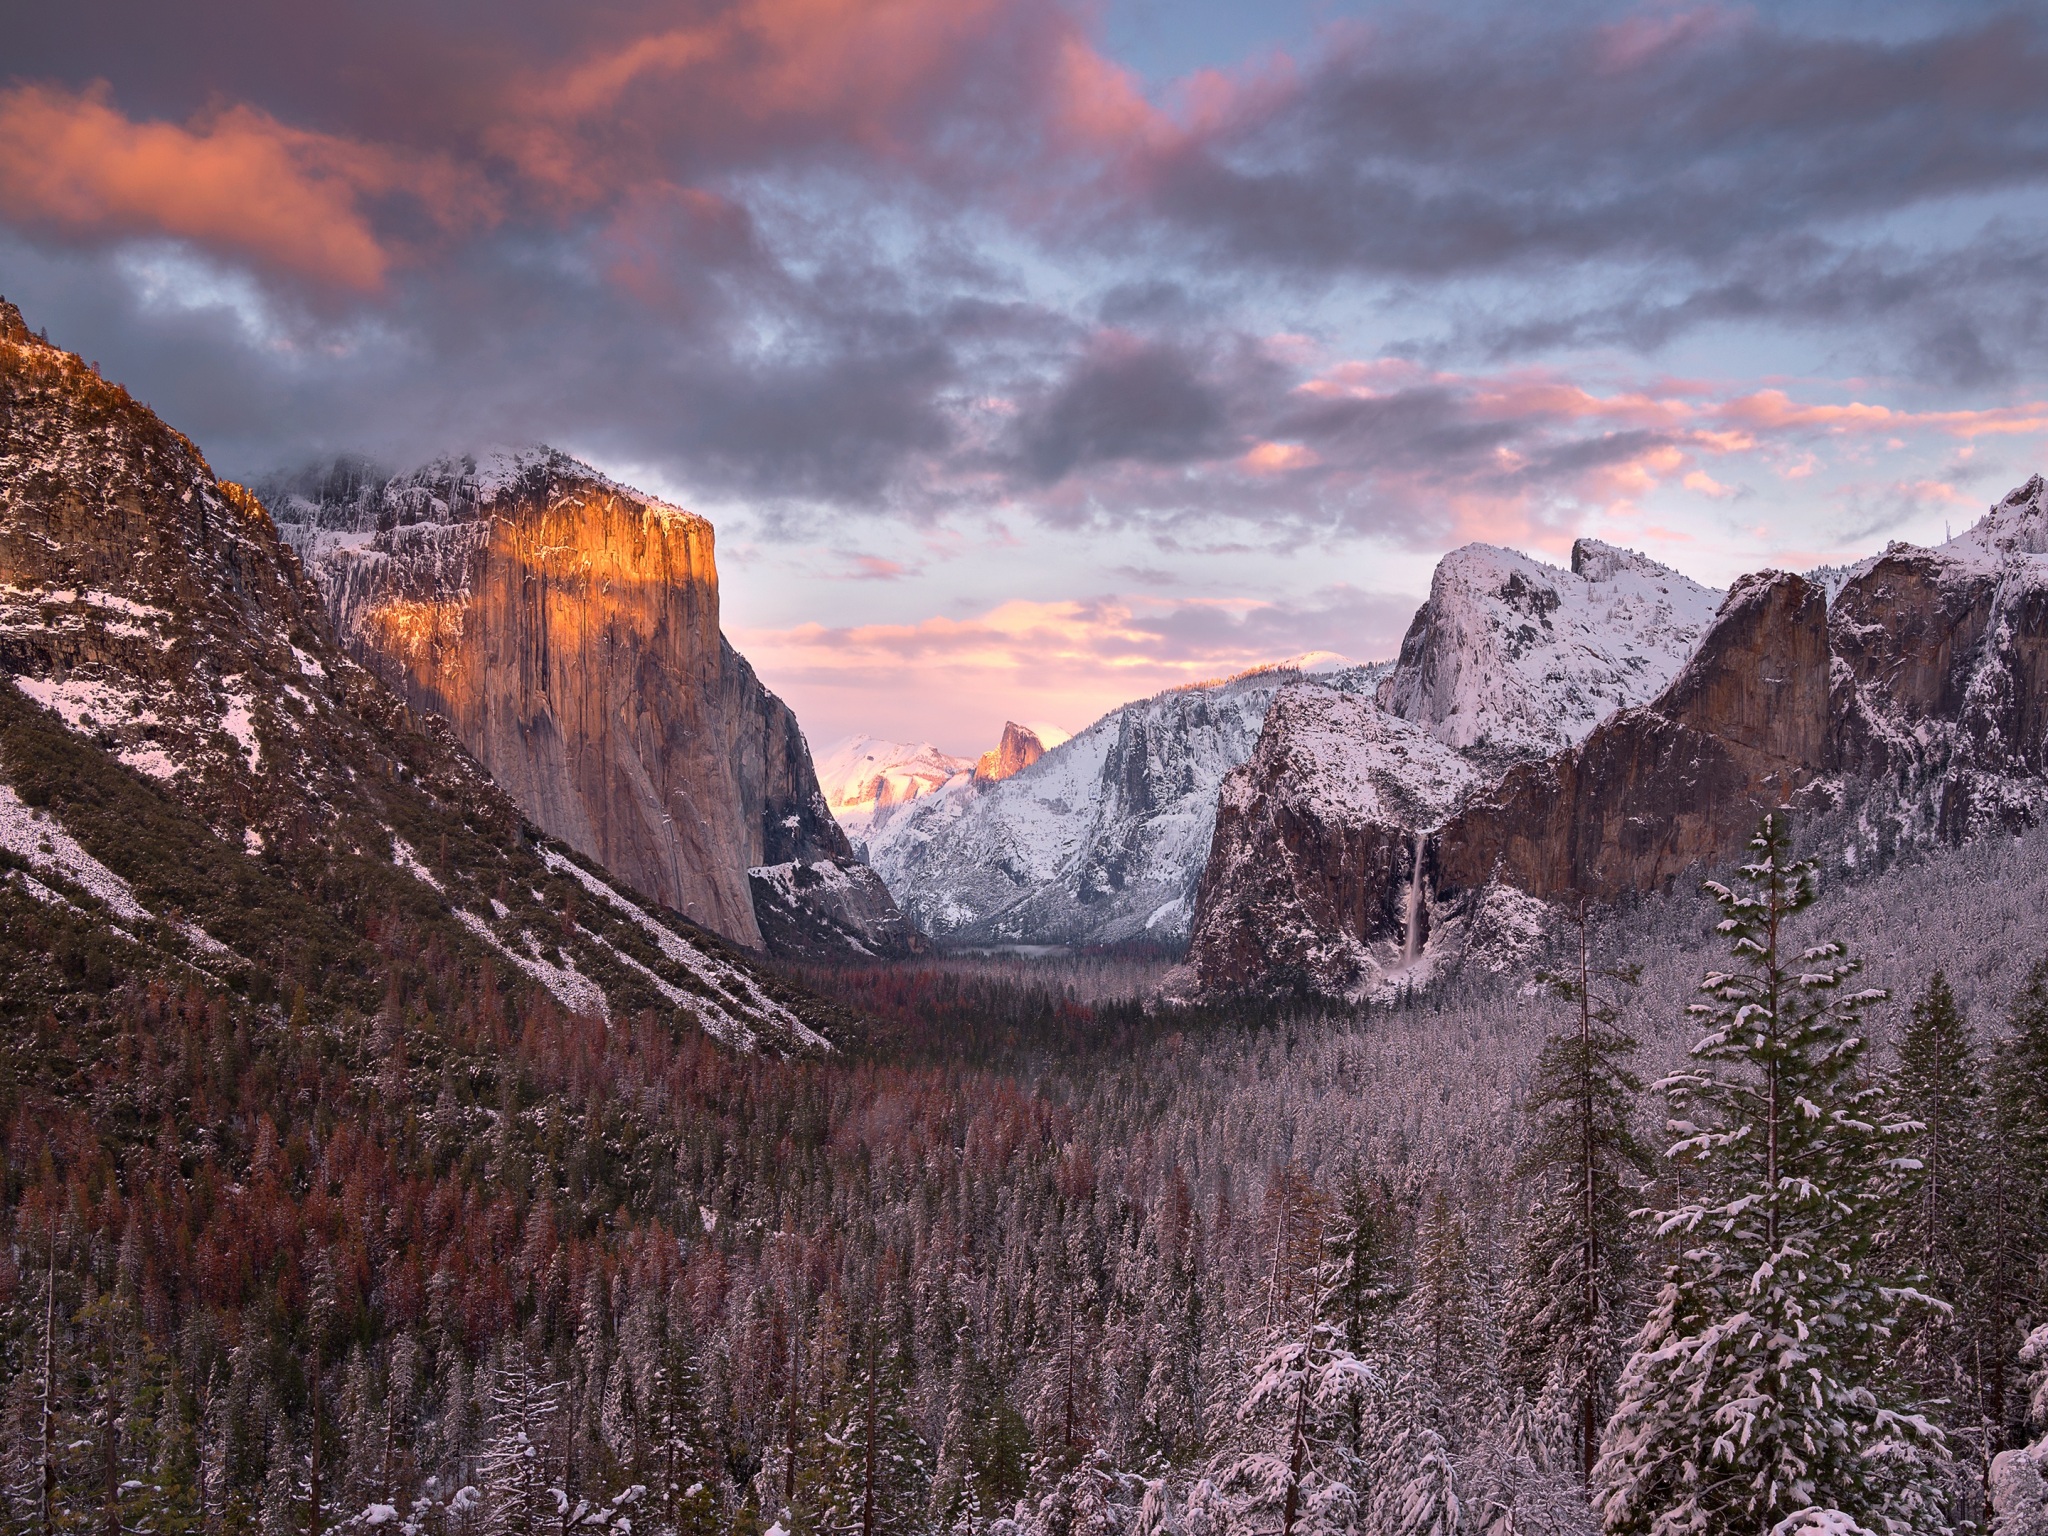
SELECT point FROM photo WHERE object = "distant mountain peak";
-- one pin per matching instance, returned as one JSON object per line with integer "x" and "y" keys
{"x": 1018, "y": 750}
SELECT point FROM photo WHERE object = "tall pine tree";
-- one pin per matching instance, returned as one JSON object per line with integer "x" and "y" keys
{"x": 1759, "y": 1393}
{"x": 1567, "y": 1314}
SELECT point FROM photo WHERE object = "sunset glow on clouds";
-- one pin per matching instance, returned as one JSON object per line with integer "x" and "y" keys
{"x": 1030, "y": 356}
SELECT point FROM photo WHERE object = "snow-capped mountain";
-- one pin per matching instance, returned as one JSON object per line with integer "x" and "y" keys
{"x": 1317, "y": 871}
{"x": 1512, "y": 658}
{"x": 1100, "y": 840}
{"x": 1912, "y": 709}
{"x": 864, "y": 777}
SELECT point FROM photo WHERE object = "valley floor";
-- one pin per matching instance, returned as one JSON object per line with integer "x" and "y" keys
{"x": 1014, "y": 1261}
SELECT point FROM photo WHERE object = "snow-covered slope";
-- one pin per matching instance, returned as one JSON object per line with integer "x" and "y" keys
{"x": 865, "y": 778}
{"x": 1101, "y": 840}
{"x": 1315, "y": 870}
{"x": 1512, "y": 658}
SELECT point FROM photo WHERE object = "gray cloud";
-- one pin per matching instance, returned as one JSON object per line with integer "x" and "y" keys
{"x": 810, "y": 310}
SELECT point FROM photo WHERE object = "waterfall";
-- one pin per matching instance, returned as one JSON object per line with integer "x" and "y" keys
{"x": 1411, "y": 917}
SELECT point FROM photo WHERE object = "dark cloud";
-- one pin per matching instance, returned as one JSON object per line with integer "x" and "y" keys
{"x": 1124, "y": 400}
{"x": 1423, "y": 150}
{"x": 936, "y": 255}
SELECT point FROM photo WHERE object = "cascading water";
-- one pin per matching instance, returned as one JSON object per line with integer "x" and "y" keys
{"x": 1411, "y": 916}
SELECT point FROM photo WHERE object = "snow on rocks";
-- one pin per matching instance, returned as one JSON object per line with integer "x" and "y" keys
{"x": 1100, "y": 840}
{"x": 735, "y": 993}
{"x": 864, "y": 778}
{"x": 1512, "y": 658}
{"x": 35, "y": 836}
{"x": 571, "y": 988}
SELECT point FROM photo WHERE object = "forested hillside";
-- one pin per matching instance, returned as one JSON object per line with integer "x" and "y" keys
{"x": 1035, "y": 1259}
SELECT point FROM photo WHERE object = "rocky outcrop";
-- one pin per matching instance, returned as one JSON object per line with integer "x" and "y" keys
{"x": 1319, "y": 854}
{"x": 1941, "y": 682}
{"x": 192, "y": 765}
{"x": 567, "y": 628}
{"x": 1512, "y": 659}
{"x": 1018, "y": 750}
{"x": 1914, "y": 709}
{"x": 1669, "y": 786}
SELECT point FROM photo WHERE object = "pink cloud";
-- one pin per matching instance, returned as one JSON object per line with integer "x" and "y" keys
{"x": 234, "y": 180}
{"x": 1068, "y": 661}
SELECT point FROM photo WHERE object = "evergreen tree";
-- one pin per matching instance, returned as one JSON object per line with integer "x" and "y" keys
{"x": 2013, "y": 1225}
{"x": 1759, "y": 1396}
{"x": 1938, "y": 1228}
{"x": 1295, "y": 1465}
{"x": 1566, "y": 1318}
{"x": 872, "y": 1472}
{"x": 1447, "y": 1314}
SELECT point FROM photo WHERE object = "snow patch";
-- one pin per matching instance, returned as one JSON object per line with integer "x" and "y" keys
{"x": 721, "y": 978}
{"x": 403, "y": 856}
{"x": 37, "y": 837}
{"x": 238, "y": 721}
{"x": 571, "y": 988}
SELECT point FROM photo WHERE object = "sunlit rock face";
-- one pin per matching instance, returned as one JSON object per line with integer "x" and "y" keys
{"x": 567, "y": 628}
{"x": 1018, "y": 750}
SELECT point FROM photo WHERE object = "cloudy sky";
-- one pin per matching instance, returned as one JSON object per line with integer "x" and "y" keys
{"x": 1032, "y": 357}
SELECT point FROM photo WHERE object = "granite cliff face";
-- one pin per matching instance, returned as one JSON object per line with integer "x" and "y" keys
{"x": 200, "y": 787}
{"x": 1669, "y": 786}
{"x": 1313, "y": 861}
{"x": 567, "y": 628}
{"x": 1914, "y": 709}
{"x": 1018, "y": 750}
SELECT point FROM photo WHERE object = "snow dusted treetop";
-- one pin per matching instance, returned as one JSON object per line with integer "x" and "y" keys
{"x": 1511, "y": 658}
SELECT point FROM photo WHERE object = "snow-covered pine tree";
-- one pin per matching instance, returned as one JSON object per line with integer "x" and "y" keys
{"x": 1567, "y": 1314}
{"x": 1936, "y": 1228}
{"x": 1293, "y": 1466}
{"x": 1447, "y": 1313}
{"x": 525, "y": 1405}
{"x": 872, "y": 1472}
{"x": 2013, "y": 1193}
{"x": 1759, "y": 1397}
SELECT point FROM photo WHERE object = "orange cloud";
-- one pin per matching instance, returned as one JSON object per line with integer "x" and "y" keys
{"x": 1276, "y": 458}
{"x": 235, "y": 180}
{"x": 762, "y": 66}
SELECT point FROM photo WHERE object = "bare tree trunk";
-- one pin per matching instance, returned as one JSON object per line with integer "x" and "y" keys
{"x": 1297, "y": 1453}
{"x": 867, "y": 1492}
{"x": 789, "y": 1420}
{"x": 49, "y": 1393}
{"x": 110, "y": 1453}
{"x": 315, "y": 1468}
